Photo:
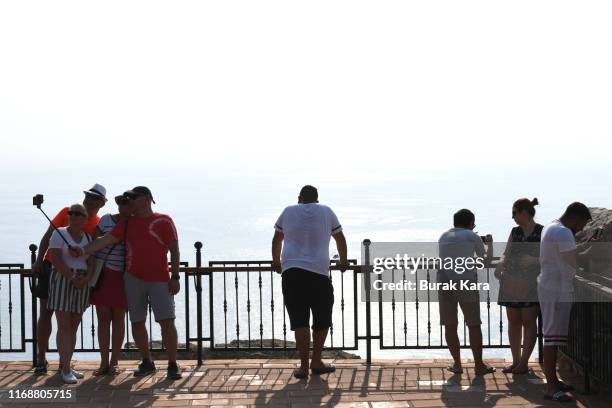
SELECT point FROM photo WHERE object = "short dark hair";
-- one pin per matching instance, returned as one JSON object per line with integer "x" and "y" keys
{"x": 525, "y": 204}
{"x": 463, "y": 218}
{"x": 578, "y": 211}
{"x": 309, "y": 194}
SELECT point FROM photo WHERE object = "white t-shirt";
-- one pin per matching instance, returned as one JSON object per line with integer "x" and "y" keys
{"x": 307, "y": 229}
{"x": 556, "y": 274}
{"x": 71, "y": 262}
{"x": 460, "y": 243}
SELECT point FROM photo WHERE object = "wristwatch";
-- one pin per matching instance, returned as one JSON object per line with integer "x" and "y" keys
{"x": 175, "y": 277}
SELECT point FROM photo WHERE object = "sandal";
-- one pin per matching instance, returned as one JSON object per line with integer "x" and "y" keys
{"x": 41, "y": 368}
{"x": 101, "y": 371}
{"x": 113, "y": 370}
{"x": 455, "y": 370}
{"x": 520, "y": 372}
{"x": 565, "y": 387}
{"x": 300, "y": 373}
{"x": 559, "y": 396}
{"x": 486, "y": 370}
{"x": 508, "y": 369}
{"x": 326, "y": 369}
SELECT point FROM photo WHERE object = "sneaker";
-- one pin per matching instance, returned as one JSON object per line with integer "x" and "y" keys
{"x": 77, "y": 374}
{"x": 174, "y": 371}
{"x": 41, "y": 368}
{"x": 145, "y": 368}
{"x": 69, "y": 378}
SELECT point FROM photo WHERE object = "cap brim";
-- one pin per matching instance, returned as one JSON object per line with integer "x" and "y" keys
{"x": 132, "y": 192}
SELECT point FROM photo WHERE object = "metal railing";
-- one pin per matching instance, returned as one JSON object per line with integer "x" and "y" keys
{"x": 238, "y": 305}
{"x": 590, "y": 332}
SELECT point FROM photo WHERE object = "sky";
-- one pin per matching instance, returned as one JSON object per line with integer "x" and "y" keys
{"x": 344, "y": 85}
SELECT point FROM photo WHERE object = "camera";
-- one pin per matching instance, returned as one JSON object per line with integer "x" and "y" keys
{"x": 597, "y": 234}
{"x": 37, "y": 200}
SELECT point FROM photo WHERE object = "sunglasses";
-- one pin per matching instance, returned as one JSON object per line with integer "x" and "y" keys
{"x": 76, "y": 214}
{"x": 93, "y": 197}
{"x": 122, "y": 200}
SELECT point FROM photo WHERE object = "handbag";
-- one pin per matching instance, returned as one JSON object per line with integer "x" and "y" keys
{"x": 514, "y": 288}
{"x": 97, "y": 269}
{"x": 94, "y": 280}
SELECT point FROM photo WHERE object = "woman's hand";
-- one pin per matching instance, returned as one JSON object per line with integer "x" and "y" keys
{"x": 79, "y": 282}
{"x": 76, "y": 251}
{"x": 526, "y": 261}
{"x": 499, "y": 270}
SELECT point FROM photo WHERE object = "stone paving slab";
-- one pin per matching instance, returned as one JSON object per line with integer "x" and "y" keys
{"x": 386, "y": 383}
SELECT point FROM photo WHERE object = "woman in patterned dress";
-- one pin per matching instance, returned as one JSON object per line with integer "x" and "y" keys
{"x": 518, "y": 271}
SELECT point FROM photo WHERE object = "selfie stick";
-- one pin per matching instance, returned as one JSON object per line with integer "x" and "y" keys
{"x": 38, "y": 200}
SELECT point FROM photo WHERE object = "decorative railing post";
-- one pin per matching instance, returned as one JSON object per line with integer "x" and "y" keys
{"x": 33, "y": 248}
{"x": 198, "y": 247}
{"x": 588, "y": 345}
{"x": 367, "y": 284}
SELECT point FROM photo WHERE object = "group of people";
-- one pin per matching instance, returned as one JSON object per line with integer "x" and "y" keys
{"x": 129, "y": 251}
{"x": 536, "y": 275}
{"x": 117, "y": 262}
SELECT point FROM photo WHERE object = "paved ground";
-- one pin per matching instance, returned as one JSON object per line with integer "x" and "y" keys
{"x": 387, "y": 383}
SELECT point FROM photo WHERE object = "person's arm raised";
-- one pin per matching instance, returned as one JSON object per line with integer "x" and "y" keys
{"x": 569, "y": 257}
{"x": 342, "y": 248}
{"x": 175, "y": 263}
{"x": 96, "y": 245}
{"x": 42, "y": 249}
{"x": 277, "y": 245}
{"x": 55, "y": 255}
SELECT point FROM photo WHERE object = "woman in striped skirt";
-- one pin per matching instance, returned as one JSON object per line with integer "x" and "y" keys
{"x": 68, "y": 287}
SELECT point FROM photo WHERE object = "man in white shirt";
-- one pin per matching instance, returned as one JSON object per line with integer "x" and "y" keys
{"x": 306, "y": 229}
{"x": 558, "y": 260}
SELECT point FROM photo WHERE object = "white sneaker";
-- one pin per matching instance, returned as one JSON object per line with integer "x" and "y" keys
{"x": 69, "y": 378}
{"x": 77, "y": 374}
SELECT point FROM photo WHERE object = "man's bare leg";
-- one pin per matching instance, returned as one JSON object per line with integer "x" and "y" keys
{"x": 43, "y": 330}
{"x": 318, "y": 340}
{"x": 170, "y": 338}
{"x": 550, "y": 369}
{"x": 141, "y": 338}
{"x": 452, "y": 341}
{"x": 302, "y": 342}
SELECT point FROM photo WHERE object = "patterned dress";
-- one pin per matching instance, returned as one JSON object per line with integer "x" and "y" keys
{"x": 524, "y": 245}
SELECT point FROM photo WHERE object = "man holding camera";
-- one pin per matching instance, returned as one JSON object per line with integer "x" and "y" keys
{"x": 95, "y": 198}
{"x": 462, "y": 242}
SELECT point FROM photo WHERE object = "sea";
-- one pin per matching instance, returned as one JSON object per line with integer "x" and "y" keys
{"x": 231, "y": 208}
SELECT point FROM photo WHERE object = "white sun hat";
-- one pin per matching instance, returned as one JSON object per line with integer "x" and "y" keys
{"x": 97, "y": 190}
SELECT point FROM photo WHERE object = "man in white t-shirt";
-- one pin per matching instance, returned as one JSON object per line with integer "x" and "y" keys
{"x": 558, "y": 253}
{"x": 306, "y": 229}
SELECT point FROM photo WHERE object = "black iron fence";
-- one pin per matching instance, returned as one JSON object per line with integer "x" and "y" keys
{"x": 590, "y": 333}
{"x": 232, "y": 305}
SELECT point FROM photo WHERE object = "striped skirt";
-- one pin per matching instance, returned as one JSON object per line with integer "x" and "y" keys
{"x": 64, "y": 296}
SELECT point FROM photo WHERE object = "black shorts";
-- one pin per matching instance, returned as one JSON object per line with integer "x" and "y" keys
{"x": 42, "y": 281}
{"x": 305, "y": 291}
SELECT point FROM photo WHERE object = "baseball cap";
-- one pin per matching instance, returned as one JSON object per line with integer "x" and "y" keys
{"x": 140, "y": 190}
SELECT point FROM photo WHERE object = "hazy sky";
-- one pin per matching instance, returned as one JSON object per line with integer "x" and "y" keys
{"x": 354, "y": 83}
